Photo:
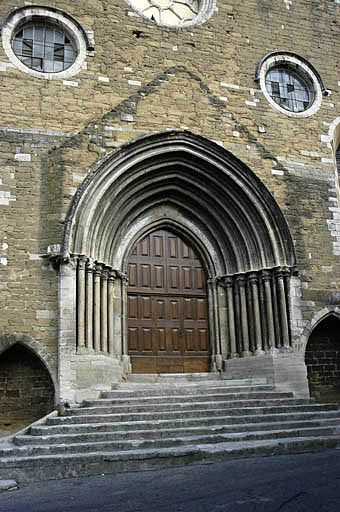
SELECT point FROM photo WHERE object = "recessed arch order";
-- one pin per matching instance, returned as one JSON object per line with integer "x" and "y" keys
{"x": 184, "y": 180}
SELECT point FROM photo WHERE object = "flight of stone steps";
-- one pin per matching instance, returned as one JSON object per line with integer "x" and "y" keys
{"x": 155, "y": 425}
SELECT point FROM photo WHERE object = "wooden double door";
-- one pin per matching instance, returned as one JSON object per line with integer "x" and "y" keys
{"x": 168, "y": 328}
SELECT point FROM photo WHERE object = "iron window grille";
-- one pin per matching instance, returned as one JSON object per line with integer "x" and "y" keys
{"x": 289, "y": 89}
{"x": 44, "y": 47}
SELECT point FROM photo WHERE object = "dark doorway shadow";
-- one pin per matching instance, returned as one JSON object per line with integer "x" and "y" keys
{"x": 26, "y": 389}
{"x": 323, "y": 360}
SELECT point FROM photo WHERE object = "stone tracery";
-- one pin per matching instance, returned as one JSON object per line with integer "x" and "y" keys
{"x": 174, "y": 13}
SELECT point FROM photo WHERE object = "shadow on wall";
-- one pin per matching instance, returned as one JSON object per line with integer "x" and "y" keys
{"x": 323, "y": 361}
{"x": 26, "y": 389}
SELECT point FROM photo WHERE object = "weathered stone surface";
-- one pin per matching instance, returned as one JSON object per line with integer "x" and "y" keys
{"x": 174, "y": 423}
{"x": 143, "y": 79}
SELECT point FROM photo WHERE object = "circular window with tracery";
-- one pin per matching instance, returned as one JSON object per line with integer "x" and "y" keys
{"x": 174, "y": 13}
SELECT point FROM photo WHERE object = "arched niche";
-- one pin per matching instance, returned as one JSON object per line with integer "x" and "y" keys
{"x": 26, "y": 388}
{"x": 322, "y": 358}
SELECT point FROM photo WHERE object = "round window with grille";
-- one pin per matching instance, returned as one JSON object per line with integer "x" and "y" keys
{"x": 290, "y": 84}
{"x": 45, "y": 42}
{"x": 174, "y": 13}
{"x": 44, "y": 47}
{"x": 289, "y": 89}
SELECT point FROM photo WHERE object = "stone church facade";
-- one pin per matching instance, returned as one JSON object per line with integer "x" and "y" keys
{"x": 169, "y": 194}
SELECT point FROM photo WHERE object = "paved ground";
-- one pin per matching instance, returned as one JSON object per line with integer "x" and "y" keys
{"x": 294, "y": 483}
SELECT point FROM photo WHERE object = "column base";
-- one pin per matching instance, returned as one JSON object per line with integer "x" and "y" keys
{"x": 259, "y": 352}
{"x": 126, "y": 364}
{"x": 217, "y": 363}
{"x": 234, "y": 355}
{"x": 84, "y": 350}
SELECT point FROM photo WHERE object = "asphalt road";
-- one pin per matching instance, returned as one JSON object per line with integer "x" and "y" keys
{"x": 307, "y": 482}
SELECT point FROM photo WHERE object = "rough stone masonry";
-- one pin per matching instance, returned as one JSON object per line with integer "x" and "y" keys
{"x": 188, "y": 100}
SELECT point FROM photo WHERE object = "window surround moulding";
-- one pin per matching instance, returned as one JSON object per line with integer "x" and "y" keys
{"x": 302, "y": 67}
{"x": 20, "y": 16}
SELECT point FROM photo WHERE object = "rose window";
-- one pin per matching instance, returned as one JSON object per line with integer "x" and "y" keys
{"x": 176, "y": 13}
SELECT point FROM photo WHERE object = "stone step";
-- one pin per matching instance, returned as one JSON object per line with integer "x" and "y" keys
{"x": 187, "y": 379}
{"x": 165, "y": 442}
{"x": 178, "y": 398}
{"x": 190, "y": 413}
{"x": 46, "y": 467}
{"x": 194, "y": 389}
{"x": 183, "y": 421}
{"x": 179, "y": 406}
{"x": 22, "y": 440}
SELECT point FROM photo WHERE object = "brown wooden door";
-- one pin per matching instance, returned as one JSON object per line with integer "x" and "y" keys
{"x": 167, "y": 307}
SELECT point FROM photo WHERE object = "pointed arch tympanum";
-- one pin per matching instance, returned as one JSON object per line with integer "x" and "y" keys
{"x": 193, "y": 187}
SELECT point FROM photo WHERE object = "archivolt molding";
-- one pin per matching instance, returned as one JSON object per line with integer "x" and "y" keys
{"x": 8, "y": 340}
{"x": 184, "y": 180}
{"x": 334, "y": 133}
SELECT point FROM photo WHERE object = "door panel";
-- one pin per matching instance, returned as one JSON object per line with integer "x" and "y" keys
{"x": 167, "y": 307}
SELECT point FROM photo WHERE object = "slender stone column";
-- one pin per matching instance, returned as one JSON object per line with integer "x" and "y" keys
{"x": 223, "y": 320}
{"x": 110, "y": 310}
{"x": 81, "y": 302}
{"x": 237, "y": 317}
{"x": 96, "y": 307}
{"x": 103, "y": 308}
{"x": 279, "y": 275}
{"x": 276, "y": 313}
{"x": 124, "y": 285}
{"x": 253, "y": 279}
{"x": 241, "y": 282}
{"x": 211, "y": 300}
{"x": 89, "y": 305}
{"x": 266, "y": 277}
{"x": 228, "y": 283}
{"x": 263, "y": 312}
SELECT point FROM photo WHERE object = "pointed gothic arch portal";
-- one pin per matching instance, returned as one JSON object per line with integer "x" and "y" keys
{"x": 187, "y": 185}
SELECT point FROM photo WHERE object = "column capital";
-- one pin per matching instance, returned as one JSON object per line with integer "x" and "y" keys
{"x": 280, "y": 272}
{"x": 122, "y": 276}
{"x": 82, "y": 260}
{"x": 112, "y": 275}
{"x": 266, "y": 275}
{"x": 90, "y": 265}
{"x": 105, "y": 271}
{"x": 225, "y": 281}
{"x": 241, "y": 280}
{"x": 98, "y": 269}
{"x": 211, "y": 281}
{"x": 253, "y": 277}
